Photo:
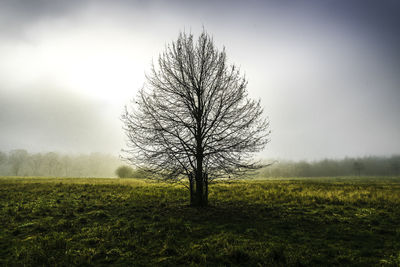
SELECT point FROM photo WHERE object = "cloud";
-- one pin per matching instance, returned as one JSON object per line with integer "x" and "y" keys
{"x": 18, "y": 15}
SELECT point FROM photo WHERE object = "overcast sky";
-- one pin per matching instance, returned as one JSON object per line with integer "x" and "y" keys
{"x": 327, "y": 72}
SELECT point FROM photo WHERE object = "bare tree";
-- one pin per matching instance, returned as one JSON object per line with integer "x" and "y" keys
{"x": 17, "y": 159}
{"x": 193, "y": 118}
{"x": 35, "y": 163}
{"x": 3, "y": 158}
{"x": 3, "y": 163}
{"x": 52, "y": 163}
{"x": 358, "y": 167}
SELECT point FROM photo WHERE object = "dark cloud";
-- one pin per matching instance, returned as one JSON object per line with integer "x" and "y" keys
{"x": 18, "y": 15}
{"x": 377, "y": 21}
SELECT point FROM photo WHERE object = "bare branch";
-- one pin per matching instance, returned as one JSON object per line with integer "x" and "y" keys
{"x": 193, "y": 119}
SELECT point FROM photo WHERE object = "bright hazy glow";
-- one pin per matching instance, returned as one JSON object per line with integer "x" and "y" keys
{"x": 105, "y": 65}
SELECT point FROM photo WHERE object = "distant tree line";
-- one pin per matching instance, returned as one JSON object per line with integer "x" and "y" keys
{"x": 365, "y": 166}
{"x": 21, "y": 163}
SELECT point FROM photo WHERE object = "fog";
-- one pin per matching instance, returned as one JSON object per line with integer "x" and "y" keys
{"x": 21, "y": 163}
{"x": 327, "y": 72}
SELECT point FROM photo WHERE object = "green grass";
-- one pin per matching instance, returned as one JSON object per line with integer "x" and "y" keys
{"x": 279, "y": 222}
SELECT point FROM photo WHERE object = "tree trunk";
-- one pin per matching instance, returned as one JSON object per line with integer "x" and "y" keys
{"x": 199, "y": 197}
{"x": 191, "y": 188}
{"x": 199, "y": 190}
{"x": 206, "y": 187}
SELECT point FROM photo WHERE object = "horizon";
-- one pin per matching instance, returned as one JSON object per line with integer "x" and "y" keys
{"x": 268, "y": 160}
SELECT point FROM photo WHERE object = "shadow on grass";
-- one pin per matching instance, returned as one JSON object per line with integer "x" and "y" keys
{"x": 85, "y": 224}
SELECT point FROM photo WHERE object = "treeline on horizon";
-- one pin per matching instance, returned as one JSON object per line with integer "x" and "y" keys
{"x": 362, "y": 166}
{"x": 51, "y": 164}
{"x": 19, "y": 162}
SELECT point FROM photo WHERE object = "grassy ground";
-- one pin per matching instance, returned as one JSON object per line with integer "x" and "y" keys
{"x": 288, "y": 222}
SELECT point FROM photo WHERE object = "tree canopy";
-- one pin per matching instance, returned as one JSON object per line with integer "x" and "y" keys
{"x": 193, "y": 119}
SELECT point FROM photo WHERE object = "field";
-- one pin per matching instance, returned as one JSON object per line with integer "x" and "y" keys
{"x": 281, "y": 222}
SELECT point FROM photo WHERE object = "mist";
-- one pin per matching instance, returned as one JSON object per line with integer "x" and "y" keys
{"x": 20, "y": 162}
{"x": 326, "y": 72}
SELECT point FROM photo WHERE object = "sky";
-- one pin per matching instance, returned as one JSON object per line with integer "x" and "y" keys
{"x": 327, "y": 72}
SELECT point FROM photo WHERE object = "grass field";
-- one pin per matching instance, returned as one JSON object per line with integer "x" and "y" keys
{"x": 281, "y": 222}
